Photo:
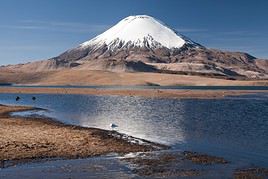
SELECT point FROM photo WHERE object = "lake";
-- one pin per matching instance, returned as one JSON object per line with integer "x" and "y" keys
{"x": 235, "y": 128}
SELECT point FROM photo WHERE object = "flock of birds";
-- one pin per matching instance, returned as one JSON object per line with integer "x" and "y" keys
{"x": 18, "y": 98}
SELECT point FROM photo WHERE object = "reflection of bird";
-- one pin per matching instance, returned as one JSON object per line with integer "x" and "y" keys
{"x": 17, "y": 98}
{"x": 33, "y": 98}
{"x": 113, "y": 125}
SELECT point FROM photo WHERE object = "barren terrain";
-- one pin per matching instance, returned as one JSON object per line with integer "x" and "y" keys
{"x": 87, "y": 77}
{"x": 148, "y": 93}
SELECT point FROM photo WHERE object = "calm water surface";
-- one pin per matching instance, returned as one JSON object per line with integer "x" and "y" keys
{"x": 235, "y": 127}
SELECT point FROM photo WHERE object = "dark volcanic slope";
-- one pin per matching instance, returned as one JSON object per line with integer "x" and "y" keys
{"x": 188, "y": 60}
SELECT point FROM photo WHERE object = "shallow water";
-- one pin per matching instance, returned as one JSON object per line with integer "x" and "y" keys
{"x": 232, "y": 127}
{"x": 95, "y": 167}
{"x": 112, "y": 166}
{"x": 235, "y": 128}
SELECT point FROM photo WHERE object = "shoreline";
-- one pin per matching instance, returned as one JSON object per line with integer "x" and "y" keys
{"x": 148, "y": 93}
{"x": 28, "y": 139}
{"x": 32, "y": 139}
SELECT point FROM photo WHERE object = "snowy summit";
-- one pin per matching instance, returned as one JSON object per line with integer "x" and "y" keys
{"x": 145, "y": 44}
{"x": 139, "y": 31}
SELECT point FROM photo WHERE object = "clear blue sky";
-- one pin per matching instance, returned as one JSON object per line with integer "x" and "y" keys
{"x": 39, "y": 29}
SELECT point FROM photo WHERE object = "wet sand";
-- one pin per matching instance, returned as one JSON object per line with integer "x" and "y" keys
{"x": 30, "y": 138}
{"x": 151, "y": 93}
{"x": 189, "y": 164}
{"x": 254, "y": 173}
{"x": 179, "y": 164}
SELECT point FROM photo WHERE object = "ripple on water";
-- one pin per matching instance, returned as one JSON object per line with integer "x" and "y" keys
{"x": 236, "y": 127}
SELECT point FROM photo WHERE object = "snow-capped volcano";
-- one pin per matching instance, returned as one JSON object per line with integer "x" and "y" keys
{"x": 145, "y": 44}
{"x": 139, "y": 31}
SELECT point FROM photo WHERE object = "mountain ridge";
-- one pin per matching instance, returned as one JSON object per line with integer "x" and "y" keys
{"x": 143, "y": 44}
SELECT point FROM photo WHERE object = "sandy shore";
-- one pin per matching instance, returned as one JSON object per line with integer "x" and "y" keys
{"x": 151, "y": 93}
{"x": 29, "y": 138}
